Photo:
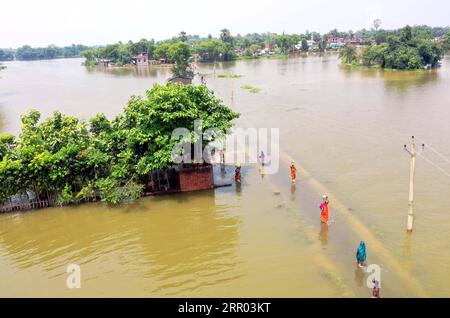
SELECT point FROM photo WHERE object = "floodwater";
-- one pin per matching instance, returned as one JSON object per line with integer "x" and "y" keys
{"x": 344, "y": 127}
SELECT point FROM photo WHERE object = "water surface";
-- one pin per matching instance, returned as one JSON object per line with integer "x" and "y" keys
{"x": 344, "y": 126}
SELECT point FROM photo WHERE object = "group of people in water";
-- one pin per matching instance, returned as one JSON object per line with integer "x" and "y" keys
{"x": 361, "y": 254}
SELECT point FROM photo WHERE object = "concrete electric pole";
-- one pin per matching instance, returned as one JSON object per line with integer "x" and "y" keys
{"x": 412, "y": 173}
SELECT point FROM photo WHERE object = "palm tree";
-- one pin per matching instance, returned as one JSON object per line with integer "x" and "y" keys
{"x": 348, "y": 54}
{"x": 225, "y": 36}
{"x": 376, "y": 24}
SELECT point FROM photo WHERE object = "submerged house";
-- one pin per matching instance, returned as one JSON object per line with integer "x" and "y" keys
{"x": 180, "y": 178}
{"x": 194, "y": 178}
{"x": 140, "y": 59}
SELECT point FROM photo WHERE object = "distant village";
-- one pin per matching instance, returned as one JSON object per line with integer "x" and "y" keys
{"x": 332, "y": 43}
{"x": 365, "y": 47}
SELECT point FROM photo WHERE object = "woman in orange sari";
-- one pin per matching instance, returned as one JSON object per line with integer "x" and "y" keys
{"x": 324, "y": 208}
{"x": 293, "y": 172}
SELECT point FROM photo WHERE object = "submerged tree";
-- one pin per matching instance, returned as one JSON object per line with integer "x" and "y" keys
{"x": 180, "y": 53}
{"x": 69, "y": 160}
{"x": 348, "y": 54}
{"x": 411, "y": 48}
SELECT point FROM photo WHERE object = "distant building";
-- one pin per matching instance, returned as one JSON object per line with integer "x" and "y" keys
{"x": 268, "y": 46}
{"x": 335, "y": 39}
{"x": 106, "y": 63}
{"x": 312, "y": 45}
{"x": 140, "y": 59}
{"x": 354, "y": 42}
{"x": 335, "y": 42}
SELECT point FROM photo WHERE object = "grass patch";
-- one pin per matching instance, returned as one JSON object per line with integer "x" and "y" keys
{"x": 229, "y": 76}
{"x": 251, "y": 89}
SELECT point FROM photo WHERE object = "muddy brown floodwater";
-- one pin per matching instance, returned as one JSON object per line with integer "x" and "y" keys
{"x": 345, "y": 128}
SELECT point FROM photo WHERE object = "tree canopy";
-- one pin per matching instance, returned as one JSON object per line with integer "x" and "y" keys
{"x": 410, "y": 48}
{"x": 71, "y": 160}
{"x": 27, "y": 52}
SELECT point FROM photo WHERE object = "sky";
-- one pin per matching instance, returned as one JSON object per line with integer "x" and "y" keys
{"x": 98, "y": 22}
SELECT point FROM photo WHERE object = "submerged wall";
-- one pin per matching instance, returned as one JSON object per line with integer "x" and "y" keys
{"x": 196, "y": 178}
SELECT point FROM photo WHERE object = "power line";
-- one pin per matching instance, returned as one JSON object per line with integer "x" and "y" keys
{"x": 436, "y": 152}
{"x": 442, "y": 170}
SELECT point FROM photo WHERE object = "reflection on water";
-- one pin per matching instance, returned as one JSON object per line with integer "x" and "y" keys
{"x": 397, "y": 80}
{"x": 323, "y": 235}
{"x": 409, "y": 79}
{"x": 183, "y": 244}
{"x": 293, "y": 191}
{"x": 359, "y": 276}
{"x": 141, "y": 71}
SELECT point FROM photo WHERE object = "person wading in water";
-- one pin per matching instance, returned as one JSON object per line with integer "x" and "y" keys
{"x": 361, "y": 254}
{"x": 376, "y": 289}
{"x": 261, "y": 157}
{"x": 237, "y": 173}
{"x": 293, "y": 172}
{"x": 324, "y": 209}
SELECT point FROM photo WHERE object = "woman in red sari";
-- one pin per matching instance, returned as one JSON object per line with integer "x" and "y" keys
{"x": 324, "y": 208}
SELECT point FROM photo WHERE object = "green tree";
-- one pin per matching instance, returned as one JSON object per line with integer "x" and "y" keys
{"x": 376, "y": 24}
{"x": 446, "y": 41}
{"x": 211, "y": 50}
{"x": 68, "y": 160}
{"x": 226, "y": 37}
{"x": 305, "y": 46}
{"x": 180, "y": 53}
{"x": 182, "y": 36}
{"x": 252, "y": 50}
{"x": 406, "y": 34}
{"x": 348, "y": 54}
{"x": 162, "y": 52}
{"x": 6, "y": 55}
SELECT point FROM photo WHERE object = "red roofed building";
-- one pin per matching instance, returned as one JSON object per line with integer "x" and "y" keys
{"x": 354, "y": 42}
{"x": 140, "y": 59}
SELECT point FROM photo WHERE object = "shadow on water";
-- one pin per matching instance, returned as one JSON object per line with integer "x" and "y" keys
{"x": 293, "y": 191}
{"x": 405, "y": 80}
{"x": 217, "y": 67}
{"x": 141, "y": 71}
{"x": 395, "y": 80}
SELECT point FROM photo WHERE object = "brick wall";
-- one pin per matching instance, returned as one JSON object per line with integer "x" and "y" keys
{"x": 197, "y": 178}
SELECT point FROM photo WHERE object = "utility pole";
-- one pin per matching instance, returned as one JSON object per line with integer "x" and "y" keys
{"x": 412, "y": 173}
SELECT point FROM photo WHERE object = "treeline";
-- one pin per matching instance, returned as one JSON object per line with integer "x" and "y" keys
{"x": 167, "y": 51}
{"x": 70, "y": 161}
{"x": 6, "y": 55}
{"x": 408, "y": 48}
{"x": 228, "y": 47}
{"x": 27, "y": 53}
